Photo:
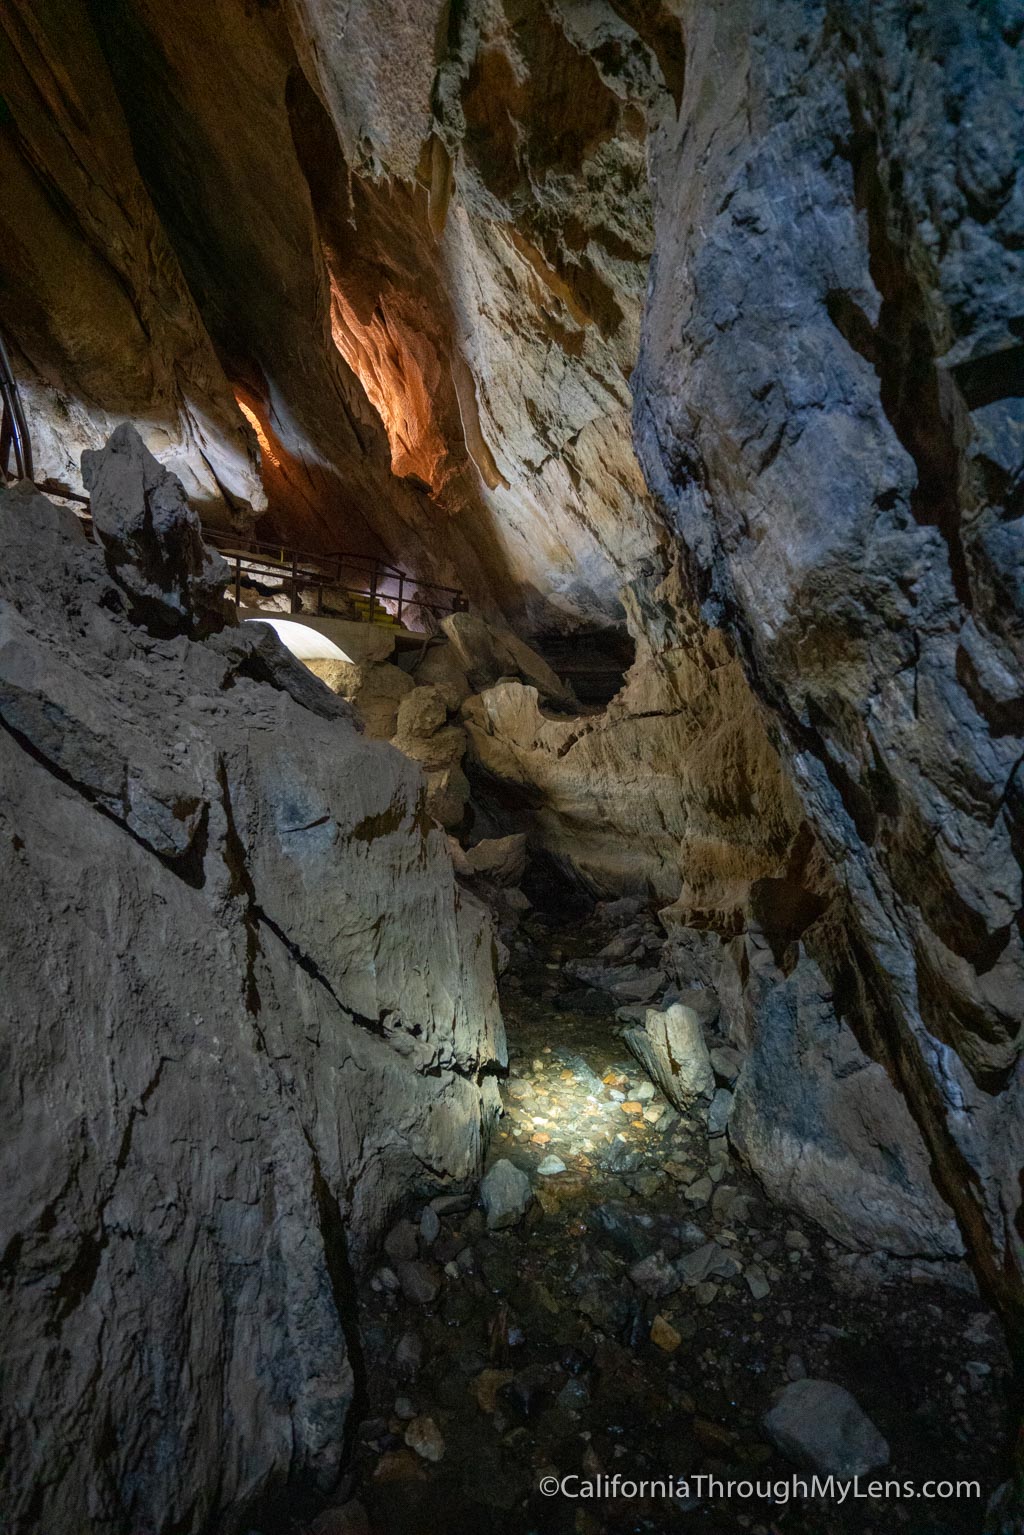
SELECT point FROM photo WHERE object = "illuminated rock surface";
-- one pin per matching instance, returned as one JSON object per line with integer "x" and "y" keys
{"x": 262, "y": 1013}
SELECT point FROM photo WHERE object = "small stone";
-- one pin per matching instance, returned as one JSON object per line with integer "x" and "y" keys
{"x": 655, "y": 1276}
{"x": 419, "y": 1282}
{"x": 424, "y": 1436}
{"x": 506, "y": 1193}
{"x": 818, "y": 1424}
{"x": 795, "y": 1368}
{"x": 705, "y": 1293}
{"x": 757, "y": 1281}
{"x": 486, "y": 1387}
{"x": 652, "y": 1114}
{"x": 700, "y": 1192}
{"x": 726, "y": 1063}
{"x": 643, "y": 1092}
{"x": 349, "y": 1519}
{"x": 541, "y": 1138}
{"x": 796, "y": 1241}
{"x": 664, "y": 1335}
{"x": 400, "y": 1242}
{"x": 404, "y": 1408}
{"x": 430, "y": 1225}
{"x": 409, "y": 1355}
{"x": 452, "y": 1204}
{"x": 551, "y": 1166}
{"x": 632, "y": 1107}
{"x": 718, "y": 1113}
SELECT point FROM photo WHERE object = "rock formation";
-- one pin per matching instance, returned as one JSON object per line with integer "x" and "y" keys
{"x": 246, "y": 1012}
{"x": 828, "y": 407}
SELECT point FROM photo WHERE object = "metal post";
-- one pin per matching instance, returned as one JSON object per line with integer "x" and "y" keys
{"x": 401, "y": 587}
{"x": 295, "y": 584}
{"x": 238, "y": 580}
{"x": 373, "y": 589}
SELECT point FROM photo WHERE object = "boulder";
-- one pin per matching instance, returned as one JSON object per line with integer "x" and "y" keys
{"x": 153, "y": 539}
{"x": 505, "y": 1193}
{"x": 672, "y": 1050}
{"x": 819, "y": 1425}
{"x": 421, "y": 712}
{"x": 500, "y": 860}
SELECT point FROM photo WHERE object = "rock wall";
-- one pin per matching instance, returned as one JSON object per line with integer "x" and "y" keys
{"x": 829, "y": 410}
{"x": 246, "y": 1012}
{"x": 419, "y": 271}
{"x": 92, "y": 299}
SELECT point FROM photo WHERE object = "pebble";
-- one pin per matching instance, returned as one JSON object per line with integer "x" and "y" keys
{"x": 409, "y": 1355}
{"x": 419, "y": 1282}
{"x": 430, "y": 1225}
{"x": 551, "y": 1166}
{"x": 424, "y": 1436}
{"x": 664, "y": 1335}
{"x": 757, "y": 1281}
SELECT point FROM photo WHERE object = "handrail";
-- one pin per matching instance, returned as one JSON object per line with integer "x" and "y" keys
{"x": 308, "y": 571}
{"x": 13, "y": 426}
{"x": 305, "y": 570}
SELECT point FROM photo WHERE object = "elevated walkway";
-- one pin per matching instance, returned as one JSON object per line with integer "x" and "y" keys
{"x": 313, "y": 637}
{"x": 343, "y": 586}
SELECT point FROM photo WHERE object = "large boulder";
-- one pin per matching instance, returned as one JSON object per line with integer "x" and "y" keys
{"x": 153, "y": 539}
{"x": 246, "y": 1013}
{"x": 673, "y": 1051}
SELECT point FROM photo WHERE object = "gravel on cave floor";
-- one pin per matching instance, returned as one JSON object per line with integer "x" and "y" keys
{"x": 495, "y": 1358}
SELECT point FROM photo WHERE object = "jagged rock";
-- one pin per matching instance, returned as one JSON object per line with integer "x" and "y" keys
{"x": 422, "y": 712}
{"x": 505, "y": 1192}
{"x": 374, "y": 688}
{"x": 655, "y": 1276}
{"x": 153, "y": 539}
{"x": 819, "y": 1425}
{"x": 282, "y": 1007}
{"x": 487, "y": 655}
{"x": 501, "y": 860}
{"x": 671, "y": 1049}
{"x": 440, "y": 669}
{"x": 824, "y": 1128}
{"x": 718, "y": 1111}
{"x": 811, "y": 412}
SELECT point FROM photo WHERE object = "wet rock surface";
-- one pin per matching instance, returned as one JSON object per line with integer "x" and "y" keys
{"x": 643, "y": 1317}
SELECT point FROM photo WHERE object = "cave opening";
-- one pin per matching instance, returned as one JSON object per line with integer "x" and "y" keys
{"x": 512, "y": 639}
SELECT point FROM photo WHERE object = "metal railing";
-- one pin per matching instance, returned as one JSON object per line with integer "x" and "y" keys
{"x": 381, "y": 591}
{"x": 13, "y": 426}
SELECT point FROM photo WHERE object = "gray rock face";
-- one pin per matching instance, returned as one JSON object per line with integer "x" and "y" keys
{"x": 153, "y": 538}
{"x": 828, "y": 409}
{"x": 819, "y": 1425}
{"x": 245, "y": 1006}
{"x": 506, "y": 1193}
{"x": 672, "y": 1050}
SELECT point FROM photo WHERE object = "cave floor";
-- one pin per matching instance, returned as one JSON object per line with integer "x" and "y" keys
{"x": 532, "y": 1353}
